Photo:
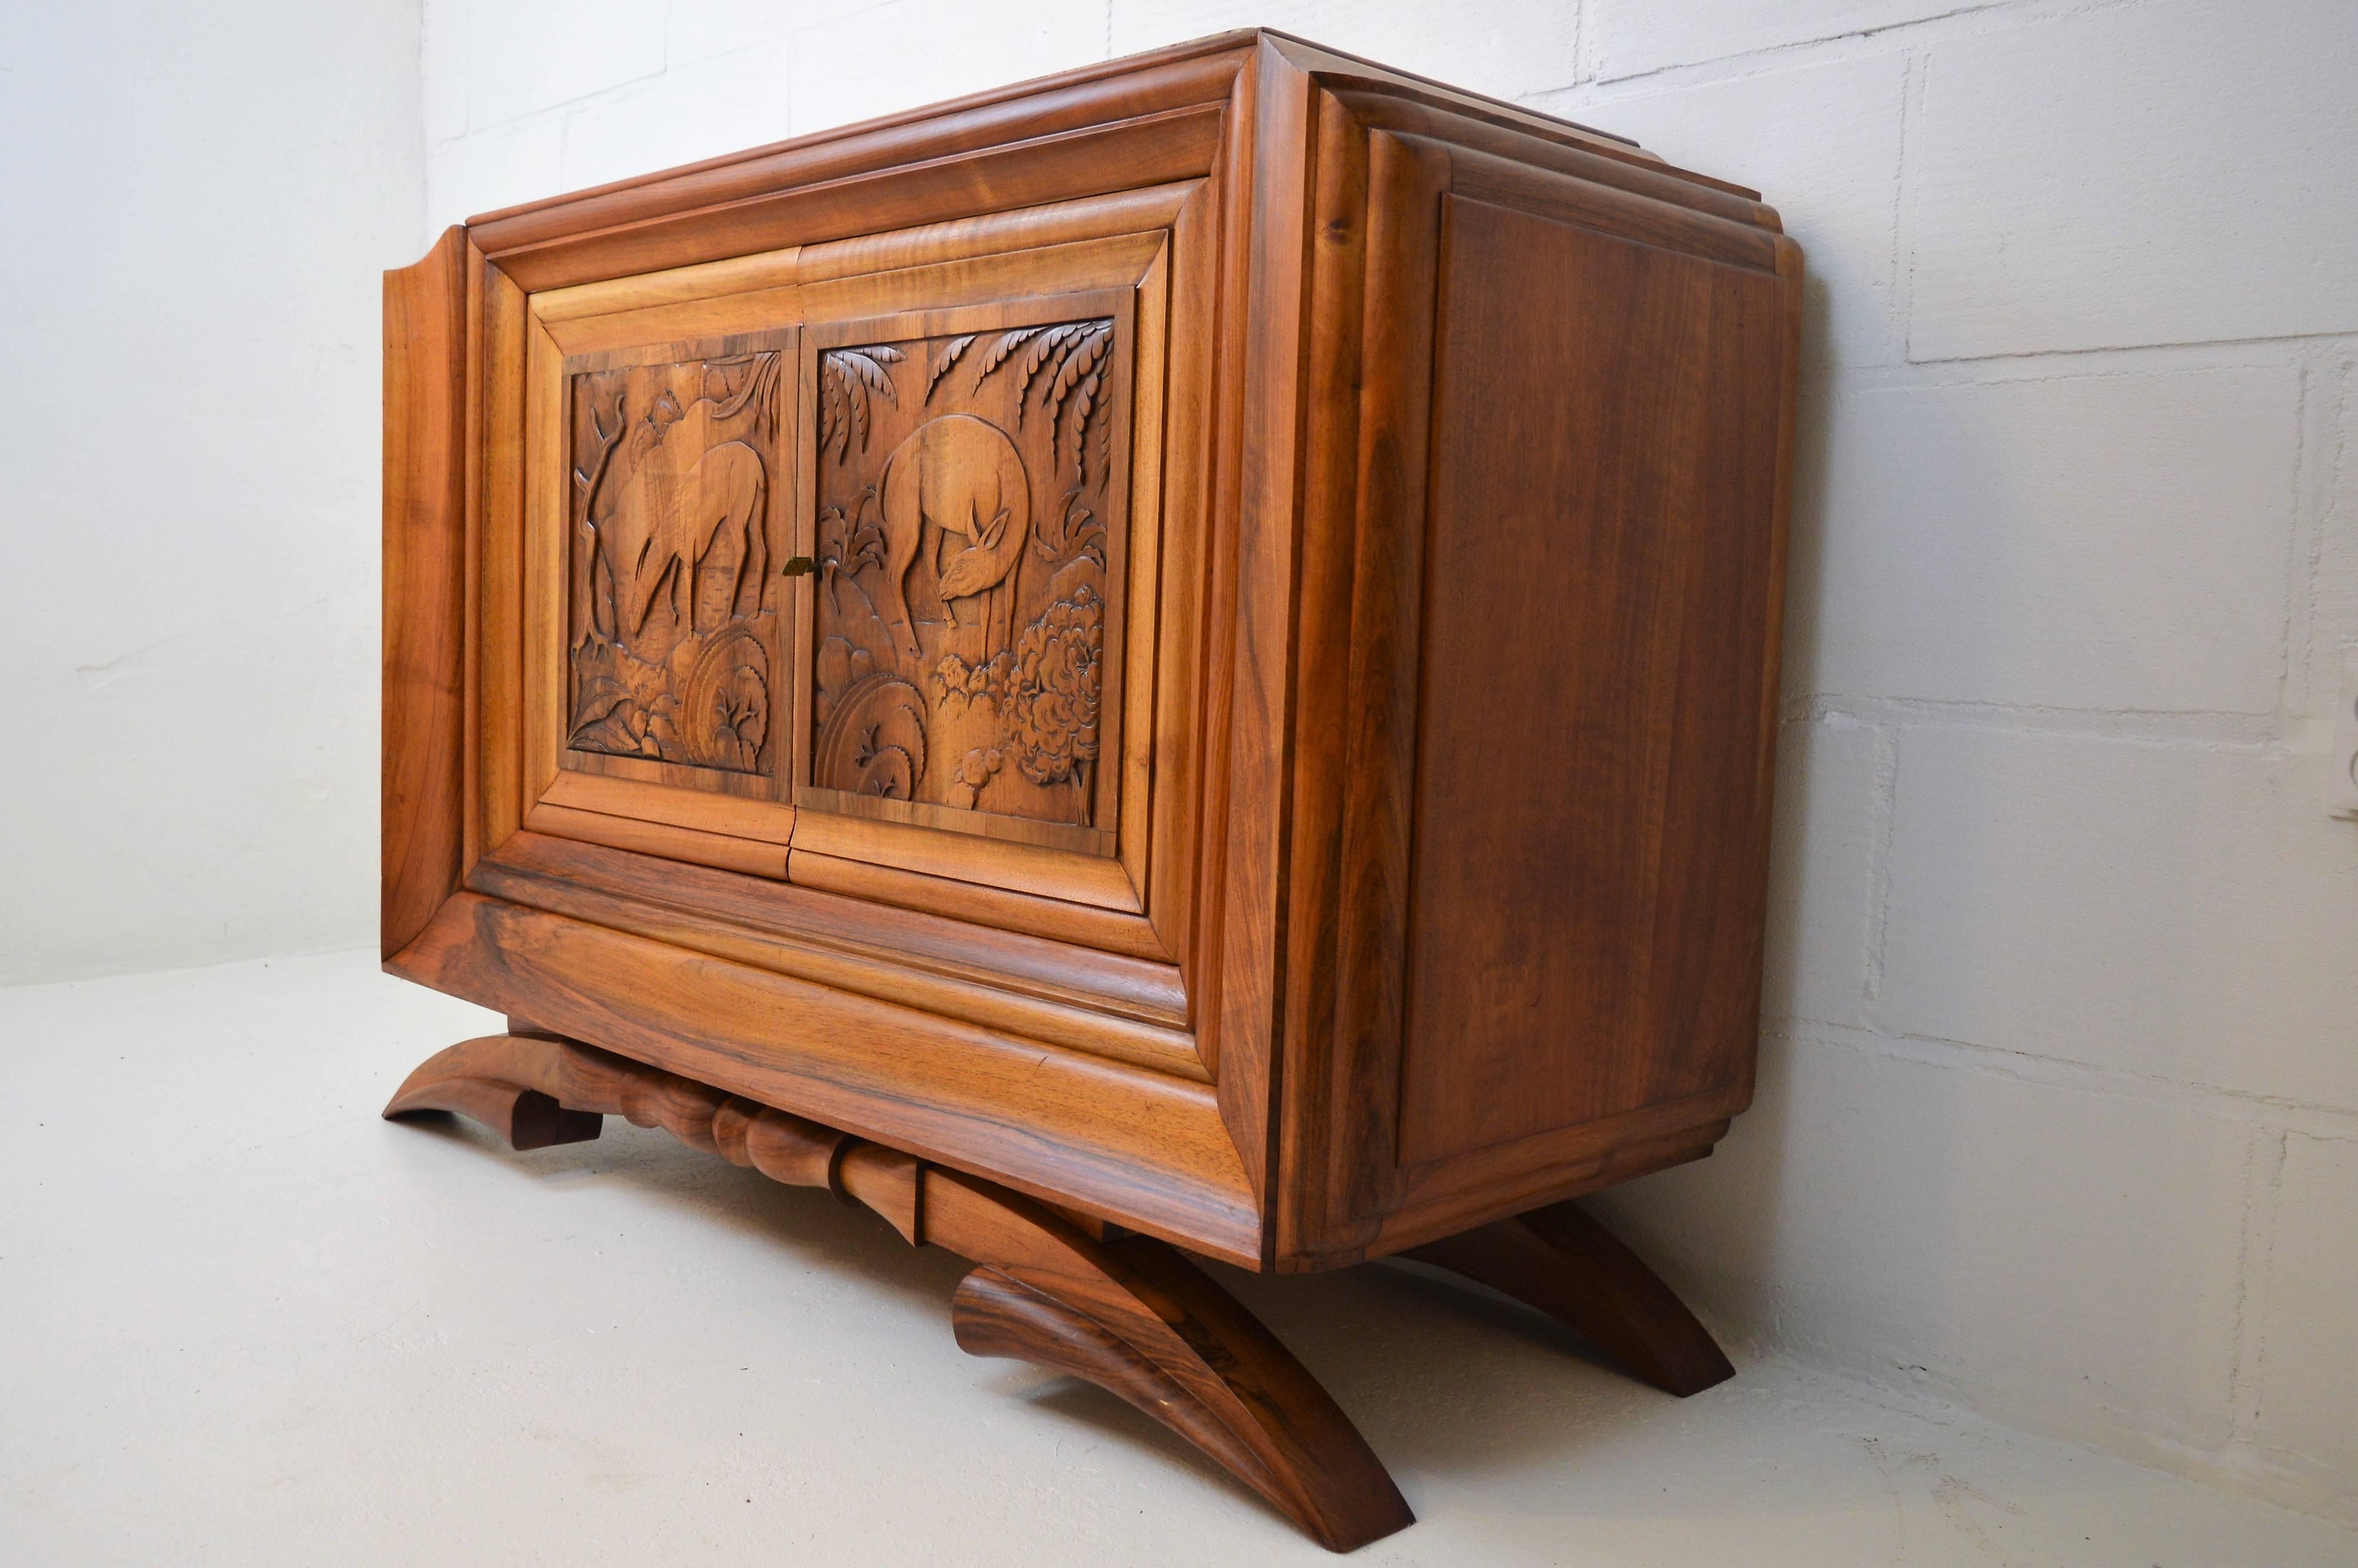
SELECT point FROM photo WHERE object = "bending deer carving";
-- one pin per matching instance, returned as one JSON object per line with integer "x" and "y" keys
{"x": 690, "y": 508}
{"x": 964, "y": 476}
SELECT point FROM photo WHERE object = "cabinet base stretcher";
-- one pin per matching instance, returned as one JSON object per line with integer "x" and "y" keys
{"x": 1127, "y": 1312}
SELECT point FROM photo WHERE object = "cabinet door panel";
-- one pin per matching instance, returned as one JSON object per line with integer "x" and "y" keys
{"x": 971, "y": 534}
{"x": 864, "y": 564}
{"x": 674, "y": 598}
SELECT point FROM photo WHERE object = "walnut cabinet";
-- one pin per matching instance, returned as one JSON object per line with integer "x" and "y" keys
{"x": 1181, "y": 656}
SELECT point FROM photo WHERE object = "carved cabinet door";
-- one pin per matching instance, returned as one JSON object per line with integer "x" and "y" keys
{"x": 848, "y": 569}
{"x": 675, "y": 604}
{"x": 968, "y": 530}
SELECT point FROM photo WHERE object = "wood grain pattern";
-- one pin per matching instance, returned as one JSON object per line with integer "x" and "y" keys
{"x": 1187, "y": 648}
{"x": 1047, "y": 967}
{"x": 1562, "y": 1262}
{"x": 485, "y": 1083}
{"x": 1253, "y": 674}
{"x": 969, "y": 545}
{"x": 675, "y": 511}
{"x": 425, "y": 441}
{"x": 1099, "y": 1003}
{"x": 1395, "y": 796}
{"x": 1113, "y": 930}
{"x": 1128, "y": 153}
{"x": 695, "y": 847}
{"x": 1342, "y": 1176}
{"x": 1130, "y": 1316}
{"x": 1540, "y": 978}
{"x": 1137, "y": 1319}
{"x": 1044, "y": 871}
{"x": 846, "y": 160}
{"x": 498, "y": 744}
{"x": 704, "y": 811}
{"x": 1146, "y": 1149}
{"x": 1572, "y": 605}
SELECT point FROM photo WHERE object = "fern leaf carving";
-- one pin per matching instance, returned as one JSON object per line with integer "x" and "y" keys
{"x": 847, "y": 376}
{"x": 1051, "y": 345}
{"x": 943, "y": 360}
{"x": 1084, "y": 363}
{"x": 996, "y": 354}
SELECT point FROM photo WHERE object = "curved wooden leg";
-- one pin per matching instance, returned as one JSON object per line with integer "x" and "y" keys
{"x": 480, "y": 1080}
{"x": 477, "y": 1078}
{"x": 1132, "y": 1316}
{"x": 1573, "y": 1269}
{"x": 1136, "y": 1318}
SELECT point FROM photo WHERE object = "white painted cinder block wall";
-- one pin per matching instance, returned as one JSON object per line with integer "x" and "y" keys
{"x": 2059, "y": 1110}
{"x": 195, "y": 203}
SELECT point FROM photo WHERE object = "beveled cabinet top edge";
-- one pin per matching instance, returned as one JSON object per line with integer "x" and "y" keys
{"x": 705, "y": 181}
{"x": 797, "y": 160}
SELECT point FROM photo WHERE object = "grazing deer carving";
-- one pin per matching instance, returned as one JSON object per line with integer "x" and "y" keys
{"x": 964, "y": 476}
{"x": 689, "y": 493}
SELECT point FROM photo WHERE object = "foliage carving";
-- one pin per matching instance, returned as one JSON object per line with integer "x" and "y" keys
{"x": 964, "y": 557}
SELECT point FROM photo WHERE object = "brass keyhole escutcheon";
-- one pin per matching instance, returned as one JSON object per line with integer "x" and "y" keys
{"x": 798, "y": 566}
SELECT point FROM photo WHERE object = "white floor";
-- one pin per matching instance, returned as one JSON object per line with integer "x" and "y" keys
{"x": 243, "y": 1320}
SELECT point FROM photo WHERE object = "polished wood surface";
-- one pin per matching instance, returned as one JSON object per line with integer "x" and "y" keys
{"x": 425, "y": 707}
{"x": 971, "y": 541}
{"x": 1391, "y": 662}
{"x": 1130, "y": 1316}
{"x": 1533, "y": 795}
{"x": 674, "y": 640}
{"x": 1195, "y": 640}
{"x": 1590, "y": 707}
{"x": 1144, "y": 1148}
{"x": 1568, "y": 1266}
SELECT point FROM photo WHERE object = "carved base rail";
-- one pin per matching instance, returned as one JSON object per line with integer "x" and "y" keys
{"x": 1131, "y": 1314}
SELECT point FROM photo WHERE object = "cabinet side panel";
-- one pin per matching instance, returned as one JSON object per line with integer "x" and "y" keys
{"x": 425, "y": 559}
{"x": 1587, "y": 837}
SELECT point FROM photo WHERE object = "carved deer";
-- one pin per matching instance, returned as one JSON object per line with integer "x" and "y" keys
{"x": 964, "y": 477}
{"x": 688, "y": 490}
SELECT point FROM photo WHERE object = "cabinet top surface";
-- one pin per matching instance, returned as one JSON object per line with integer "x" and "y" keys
{"x": 1153, "y": 81}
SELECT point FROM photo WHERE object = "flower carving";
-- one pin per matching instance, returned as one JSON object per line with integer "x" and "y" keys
{"x": 1051, "y": 707}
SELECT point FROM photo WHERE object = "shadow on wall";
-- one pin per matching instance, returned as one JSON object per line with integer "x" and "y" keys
{"x": 1813, "y": 450}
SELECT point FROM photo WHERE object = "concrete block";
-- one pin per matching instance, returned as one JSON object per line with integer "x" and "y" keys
{"x": 523, "y": 56}
{"x": 1507, "y": 51}
{"x": 2063, "y": 1259}
{"x": 2046, "y": 214}
{"x": 487, "y": 170}
{"x": 2328, "y": 613}
{"x": 1627, "y": 38}
{"x": 2172, "y": 910}
{"x": 1821, "y": 143}
{"x": 2081, "y": 541}
{"x": 1820, "y": 874}
{"x": 908, "y": 53}
{"x": 2307, "y": 1416}
{"x": 700, "y": 110}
